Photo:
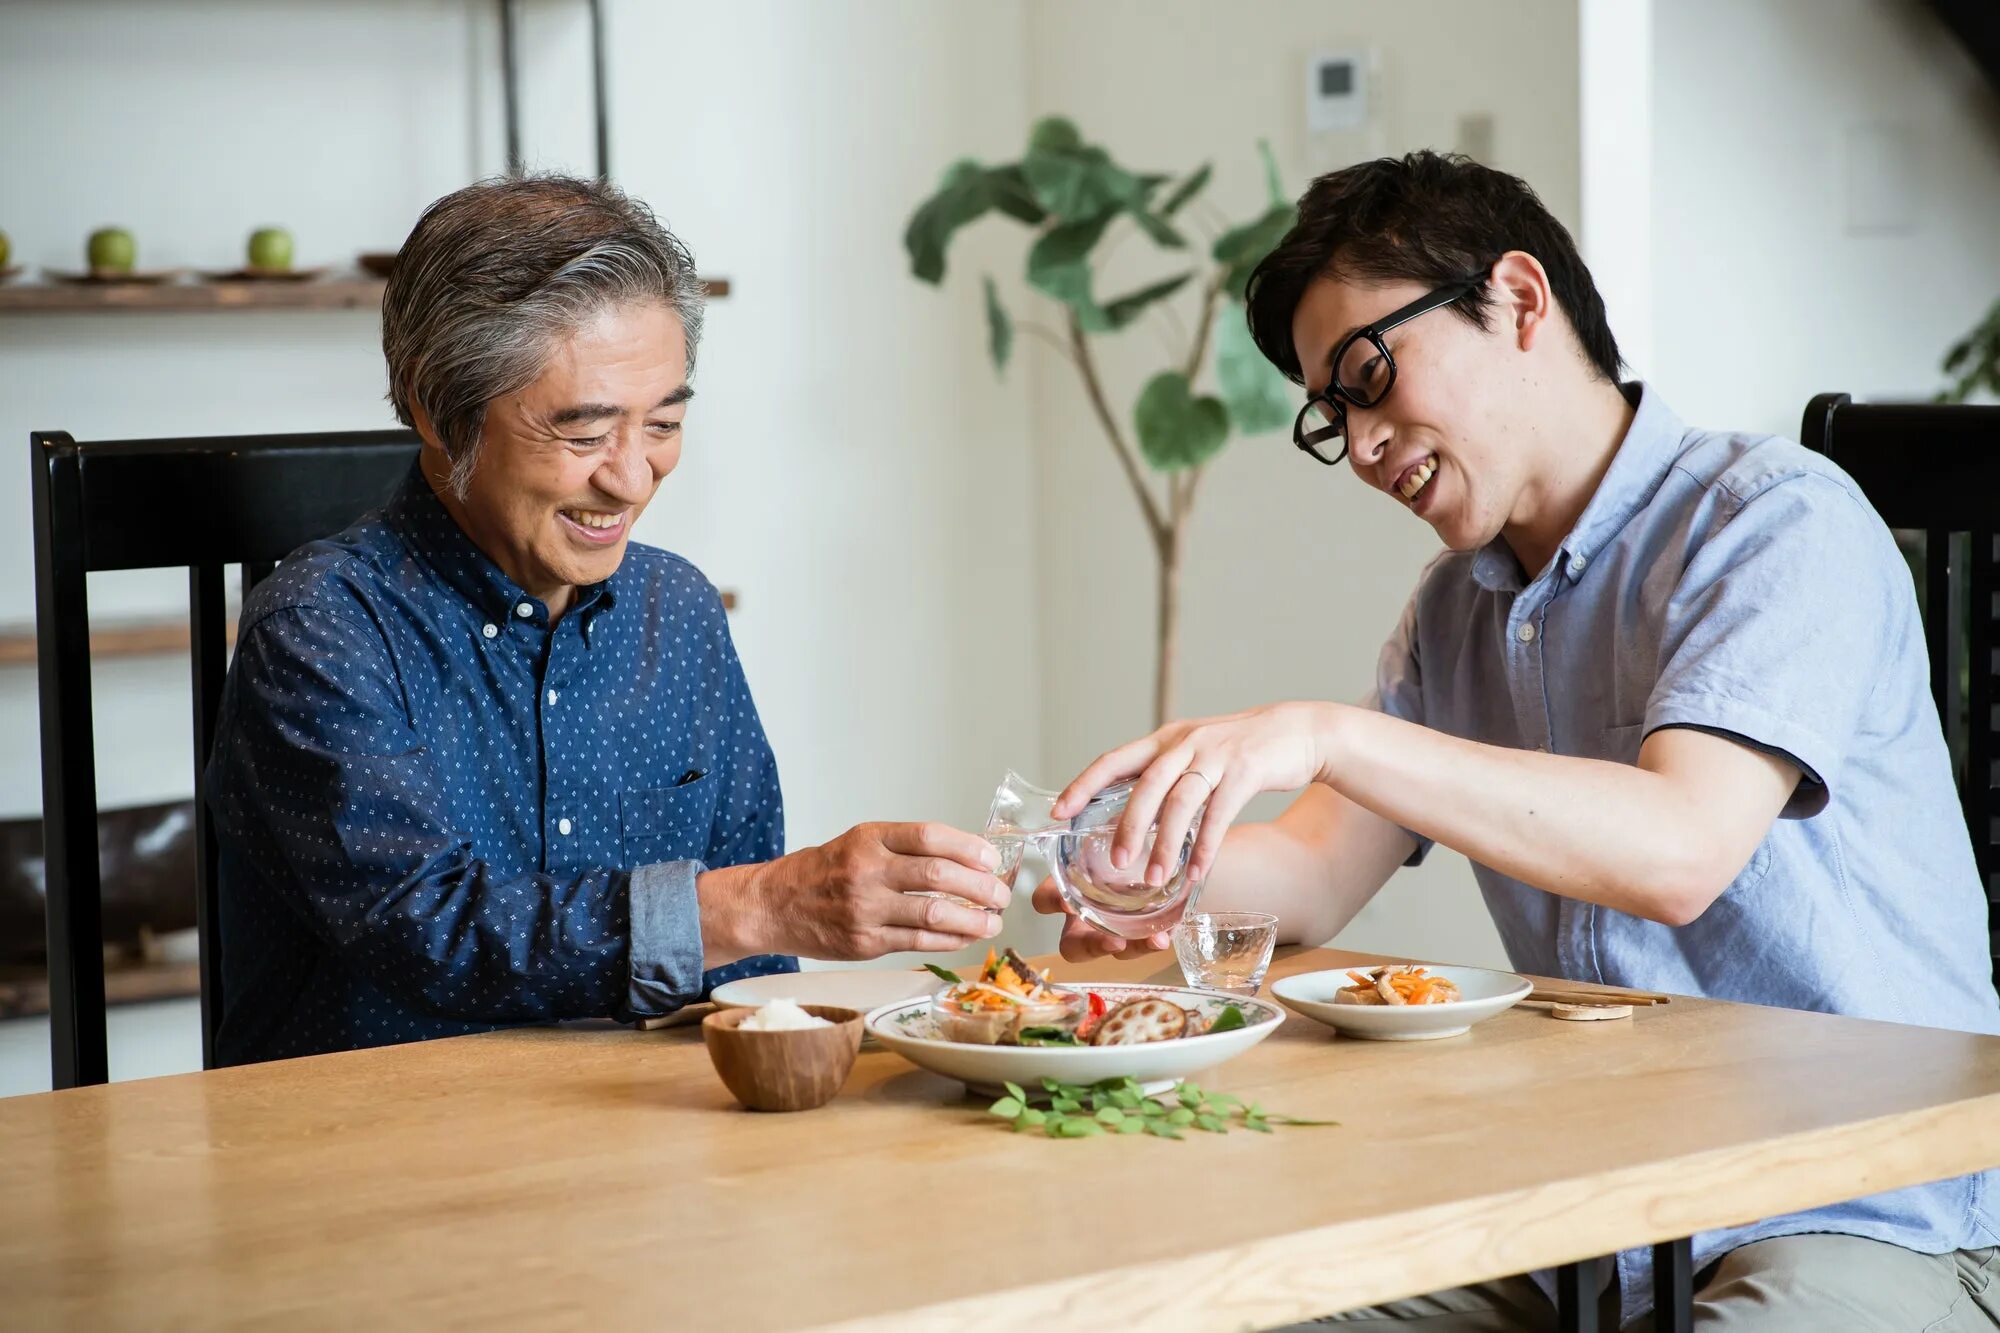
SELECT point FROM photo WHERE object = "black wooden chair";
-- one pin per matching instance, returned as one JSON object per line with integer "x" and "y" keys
{"x": 160, "y": 504}
{"x": 1936, "y": 470}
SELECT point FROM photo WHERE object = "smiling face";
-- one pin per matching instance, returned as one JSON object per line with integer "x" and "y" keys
{"x": 567, "y": 465}
{"x": 1443, "y": 443}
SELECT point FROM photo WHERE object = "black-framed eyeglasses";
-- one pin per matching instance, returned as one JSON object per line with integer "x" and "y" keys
{"x": 1363, "y": 374}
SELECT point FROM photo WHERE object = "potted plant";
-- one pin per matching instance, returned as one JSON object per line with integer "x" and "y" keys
{"x": 1076, "y": 202}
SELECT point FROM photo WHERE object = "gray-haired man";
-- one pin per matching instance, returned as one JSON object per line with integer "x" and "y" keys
{"x": 483, "y": 760}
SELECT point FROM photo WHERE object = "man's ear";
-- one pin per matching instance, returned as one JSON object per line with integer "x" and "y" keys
{"x": 1521, "y": 292}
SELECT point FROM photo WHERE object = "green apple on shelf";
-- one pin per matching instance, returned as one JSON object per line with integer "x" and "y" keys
{"x": 271, "y": 249}
{"x": 112, "y": 250}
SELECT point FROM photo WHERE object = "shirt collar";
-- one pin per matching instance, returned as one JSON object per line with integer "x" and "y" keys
{"x": 1645, "y": 456}
{"x": 416, "y": 515}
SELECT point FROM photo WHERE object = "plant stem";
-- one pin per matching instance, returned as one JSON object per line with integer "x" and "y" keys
{"x": 1209, "y": 296}
{"x": 1156, "y": 524}
{"x": 1166, "y": 660}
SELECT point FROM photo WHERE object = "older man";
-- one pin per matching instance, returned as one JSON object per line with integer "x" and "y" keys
{"x": 482, "y": 759}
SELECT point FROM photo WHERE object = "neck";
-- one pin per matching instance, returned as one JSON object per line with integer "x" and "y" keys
{"x": 558, "y": 599}
{"x": 1574, "y": 454}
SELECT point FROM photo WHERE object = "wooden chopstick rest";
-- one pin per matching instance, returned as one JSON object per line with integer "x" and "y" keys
{"x": 1587, "y": 1013}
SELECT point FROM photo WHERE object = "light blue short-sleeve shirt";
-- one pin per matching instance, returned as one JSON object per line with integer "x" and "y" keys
{"x": 1742, "y": 585}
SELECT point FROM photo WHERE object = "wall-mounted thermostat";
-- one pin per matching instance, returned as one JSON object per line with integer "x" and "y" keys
{"x": 1337, "y": 90}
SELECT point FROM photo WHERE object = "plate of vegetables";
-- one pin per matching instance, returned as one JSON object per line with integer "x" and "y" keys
{"x": 1008, "y": 1023}
{"x": 1401, "y": 1001}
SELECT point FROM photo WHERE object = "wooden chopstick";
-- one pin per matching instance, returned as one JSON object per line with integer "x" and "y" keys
{"x": 1557, "y": 995}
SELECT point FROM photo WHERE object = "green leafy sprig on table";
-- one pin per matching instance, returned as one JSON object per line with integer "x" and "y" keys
{"x": 1121, "y": 1106}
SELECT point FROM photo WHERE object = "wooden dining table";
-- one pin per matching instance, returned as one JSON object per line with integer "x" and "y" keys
{"x": 563, "y": 1177}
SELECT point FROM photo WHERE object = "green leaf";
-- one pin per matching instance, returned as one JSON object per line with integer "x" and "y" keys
{"x": 1189, "y": 1091}
{"x": 1013, "y": 195}
{"x": 1176, "y": 429}
{"x": 1047, "y": 1036}
{"x": 1109, "y": 1115}
{"x": 944, "y": 973}
{"x": 1131, "y": 1127}
{"x": 1051, "y": 1085}
{"x": 1006, "y": 1107}
{"x": 1240, "y": 249}
{"x": 1078, "y": 184}
{"x": 1180, "y": 1115}
{"x": 1066, "y": 1105}
{"x": 1228, "y": 1020}
{"x": 1186, "y": 190}
{"x": 1054, "y": 132}
{"x": 1272, "y": 183}
{"x": 1059, "y": 263}
{"x": 1077, "y": 1128}
{"x": 1161, "y": 1129}
{"x": 1031, "y": 1119}
{"x": 1150, "y": 1108}
{"x": 1014, "y": 1091}
{"x": 999, "y": 328}
{"x": 962, "y": 197}
{"x": 1258, "y": 1125}
{"x": 1212, "y": 1123}
{"x": 1119, "y": 313}
{"x": 1259, "y": 400}
{"x": 1156, "y": 227}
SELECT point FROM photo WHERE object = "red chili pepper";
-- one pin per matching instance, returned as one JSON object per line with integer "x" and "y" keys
{"x": 1097, "y": 1005}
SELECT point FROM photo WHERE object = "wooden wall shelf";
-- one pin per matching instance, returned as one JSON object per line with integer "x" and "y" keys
{"x": 147, "y": 638}
{"x": 353, "y": 292}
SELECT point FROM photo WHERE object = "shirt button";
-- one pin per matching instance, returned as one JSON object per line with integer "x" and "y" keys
{"x": 524, "y": 610}
{"x": 1576, "y": 564}
{"x": 1526, "y": 634}
{"x": 491, "y": 631}
{"x": 552, "y": 697}
{"x": 562, "y": 827}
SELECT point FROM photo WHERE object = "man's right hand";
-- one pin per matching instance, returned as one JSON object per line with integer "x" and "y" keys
{"x": 1081, "y": 941}
{"x": 853, "y": 898}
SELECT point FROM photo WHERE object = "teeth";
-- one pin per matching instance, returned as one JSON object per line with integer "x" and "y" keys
{"x": 593, "y": 520}
{"x": 1419, "y": 479}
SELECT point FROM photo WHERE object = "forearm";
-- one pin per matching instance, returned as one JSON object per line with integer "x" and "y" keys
{"x": 1313, "y": 867}
{"x": 1601, "y": 832}
{"x": 736, "y": 922}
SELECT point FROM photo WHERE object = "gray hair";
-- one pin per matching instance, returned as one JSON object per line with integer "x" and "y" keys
{"x": 495, "y": 275}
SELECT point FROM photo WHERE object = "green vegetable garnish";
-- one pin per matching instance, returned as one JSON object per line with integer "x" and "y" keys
{"x": 1047, "y": 1036}
{"x": 1228, "y": 1020}
{"x": 946, "y": 974}
{"x": 1121, "y": 1106}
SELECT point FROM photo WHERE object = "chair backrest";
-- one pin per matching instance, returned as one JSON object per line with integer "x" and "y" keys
{"x": 198, "y": 504}
{"x": 1936, "y": 469}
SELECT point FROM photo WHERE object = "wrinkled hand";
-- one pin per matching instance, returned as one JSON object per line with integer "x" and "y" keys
{"x": 852, "y": 898}
{"x": 1081, "y": 941}
{"x": 1211, "y": 766}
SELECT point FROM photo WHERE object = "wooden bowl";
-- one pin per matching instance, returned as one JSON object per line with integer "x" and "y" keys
{"x": 783, "y": 1071}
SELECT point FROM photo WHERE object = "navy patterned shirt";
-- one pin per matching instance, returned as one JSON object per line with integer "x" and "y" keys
{"x": 440, "y": 814}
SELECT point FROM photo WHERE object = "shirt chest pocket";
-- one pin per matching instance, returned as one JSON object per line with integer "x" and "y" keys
{"x": 666, "y": 823}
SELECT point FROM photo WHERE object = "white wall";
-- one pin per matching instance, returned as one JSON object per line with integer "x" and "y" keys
{"x": 1295, "y": 573}
{"x": 1767, "y": 289}
{"x": 852, "y": 468}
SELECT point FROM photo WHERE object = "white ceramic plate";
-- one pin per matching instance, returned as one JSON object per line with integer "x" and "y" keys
{"x": 860, "y": 989}
{"x": 1484, "y": 993}
{"x": 908, "y": 1029}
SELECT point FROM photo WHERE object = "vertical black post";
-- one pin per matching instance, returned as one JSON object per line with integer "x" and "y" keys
{"x": 1673, "y": 1286}
{"x": 208, "y": 614}
{"x": 1941, "y": 632}
{"x": 1577, "y": 1287}
{"x": 510, "y": 90}
{"x": 77, "y": 1053}
{"x": 597, "y": 86}
{"x": 1982, "y": 732}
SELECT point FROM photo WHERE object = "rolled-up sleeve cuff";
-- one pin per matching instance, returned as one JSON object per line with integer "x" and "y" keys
{"x": 665, "y": 939}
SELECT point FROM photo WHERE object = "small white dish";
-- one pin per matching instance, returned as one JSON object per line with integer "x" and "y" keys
{"x": 1483, "y": 993}
{"x": 859, "y": 989}
{"x": 909, "y": 1029}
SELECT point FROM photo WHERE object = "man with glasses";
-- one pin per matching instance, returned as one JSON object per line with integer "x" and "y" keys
{"x": 1666, "y": 688}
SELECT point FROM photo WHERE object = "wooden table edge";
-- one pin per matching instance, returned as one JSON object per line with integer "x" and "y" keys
{"x": 1343, "y": 1266}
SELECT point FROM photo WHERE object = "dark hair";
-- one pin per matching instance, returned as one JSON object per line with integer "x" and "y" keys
{"x": 495, "y": 274}
{"x": 1431, "y": 218}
